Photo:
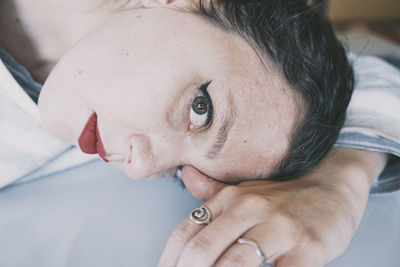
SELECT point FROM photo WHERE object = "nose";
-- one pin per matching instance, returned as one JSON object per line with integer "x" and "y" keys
{"x": 148, "y": 155}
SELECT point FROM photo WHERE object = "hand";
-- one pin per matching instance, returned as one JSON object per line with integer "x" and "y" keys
{"x": 304, "y": 222}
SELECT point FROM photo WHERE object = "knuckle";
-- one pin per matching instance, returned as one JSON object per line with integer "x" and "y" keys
{"x": 284, "y": 218}
{"x": 311, "y": 236}
{"x": 303, "y": 233}
{"x": 182, "y": 232}
{"x": 198, "y": 245}
{"x": 232, "y": 258}
{"x": 255, "y": 200}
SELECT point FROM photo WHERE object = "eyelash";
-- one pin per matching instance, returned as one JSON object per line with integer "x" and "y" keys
{"x": 210, "y": 114}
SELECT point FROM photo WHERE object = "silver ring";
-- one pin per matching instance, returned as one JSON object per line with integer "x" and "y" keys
{"x": 255, "y": 245}
{"x": 201, "y": 215}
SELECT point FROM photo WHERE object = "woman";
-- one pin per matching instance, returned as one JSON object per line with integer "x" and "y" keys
{"x": 189, "y": 105}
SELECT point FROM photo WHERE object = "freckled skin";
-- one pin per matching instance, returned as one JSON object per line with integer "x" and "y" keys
{"x": 141, "y": 82}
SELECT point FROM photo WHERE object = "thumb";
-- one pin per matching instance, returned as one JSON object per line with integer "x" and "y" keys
{"x": 200, "y": 185}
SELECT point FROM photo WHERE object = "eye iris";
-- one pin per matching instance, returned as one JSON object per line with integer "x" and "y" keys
{"x": 200, "y": 105}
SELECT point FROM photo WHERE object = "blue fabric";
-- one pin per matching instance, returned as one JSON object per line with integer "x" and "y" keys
{"x": 373, "y": 117}
{"x": 93, "y": 215}
{"x": 96, "y": 216}
{"x": 389, "y": 180}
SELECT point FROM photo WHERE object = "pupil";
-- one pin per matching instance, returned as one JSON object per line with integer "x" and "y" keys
{"x": 200, "y": 105}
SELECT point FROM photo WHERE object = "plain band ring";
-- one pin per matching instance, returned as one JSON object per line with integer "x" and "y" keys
{"x": 201, "y": 215}
{"x": 255, "y": 245}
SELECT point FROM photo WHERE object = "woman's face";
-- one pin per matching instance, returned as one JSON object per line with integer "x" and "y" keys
{"x": 170, "y": 89}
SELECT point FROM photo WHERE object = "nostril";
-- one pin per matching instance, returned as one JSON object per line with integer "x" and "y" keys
{"x": 140, "y": 161}
{"x": 130, "y": 154}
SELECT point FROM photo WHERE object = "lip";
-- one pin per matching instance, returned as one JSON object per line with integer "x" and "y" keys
{"x": 90, "y": 140}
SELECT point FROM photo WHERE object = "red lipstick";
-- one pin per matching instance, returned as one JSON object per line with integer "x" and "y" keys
{"x": 90, "y": 141}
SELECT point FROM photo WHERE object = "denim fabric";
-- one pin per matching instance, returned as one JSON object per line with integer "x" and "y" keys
{"x": 373, "y": 117}
{"x": 389, "y": 180}
{"x": 21, "y": 75}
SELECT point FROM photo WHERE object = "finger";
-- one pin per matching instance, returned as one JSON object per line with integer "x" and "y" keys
{"x": 199, "y": 185}
{"x": 206, "y": 247}
{"x": 177, "y": 241}
{"x": 183, "y": 233}
{"x": 274, "y": 237}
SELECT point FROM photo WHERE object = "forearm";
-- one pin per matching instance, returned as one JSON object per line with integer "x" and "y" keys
{"x": 352, "y": 167}
{"x": 350, "y": 173}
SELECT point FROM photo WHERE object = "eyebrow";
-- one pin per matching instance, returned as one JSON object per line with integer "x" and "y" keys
{"x": 222, "y": 136}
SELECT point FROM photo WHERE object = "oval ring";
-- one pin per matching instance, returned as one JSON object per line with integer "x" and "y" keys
{"x": 255, "y": 245}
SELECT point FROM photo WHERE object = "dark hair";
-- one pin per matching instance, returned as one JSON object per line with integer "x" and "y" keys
{"x": 301, "y": 43}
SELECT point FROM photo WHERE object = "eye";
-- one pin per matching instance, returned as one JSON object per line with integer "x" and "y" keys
{"x": 201, "y": 110}
{"x": 200, "y": 105}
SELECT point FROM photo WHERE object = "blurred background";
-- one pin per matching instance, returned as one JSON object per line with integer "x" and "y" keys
{"x": 368, "y": 26}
